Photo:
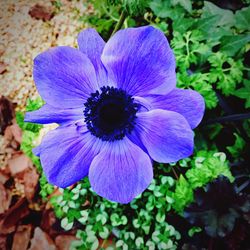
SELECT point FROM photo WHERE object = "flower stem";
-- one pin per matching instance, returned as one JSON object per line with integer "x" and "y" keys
{"x": 103, "y": 243}
{"x": 175, "y": 174}
{"x": 120, "y": 22}
{"x": 229, "y": 118}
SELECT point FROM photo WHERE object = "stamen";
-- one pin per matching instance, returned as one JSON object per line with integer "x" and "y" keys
{"x": 110, "y": 114}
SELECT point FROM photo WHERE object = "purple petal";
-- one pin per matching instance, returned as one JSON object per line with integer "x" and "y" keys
{"x": 91, "y": 44}
{"x": 121, "y": 171}
{"x": 188, "y": 103}
{"x": 144, "y": 103}
{"x": 66, "y": 155}
{"x": 140, "y": 61}
{"x": 48, "y": 114}
{"x": 64, "y": 77}
{"x": 166, "y": 135}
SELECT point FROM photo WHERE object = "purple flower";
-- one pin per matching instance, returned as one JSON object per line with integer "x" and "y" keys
{"x": 118, "y": 110}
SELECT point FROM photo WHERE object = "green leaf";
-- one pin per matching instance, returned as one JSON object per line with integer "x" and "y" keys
{"x": 186, "y": 4}
{"x": 136, "y": 223}
{"x": 183, "y": 194}
{"x": 230, "y": 45}
{"x": 208, "y": 93}
{"x": 238, "y": 146}
{"x": 163, "y": 26}
{"x": 169, "y": 199}
{"x": 34, "y": 104}
{"x": 124, "y": 220}
{"x": 135, "y": 7}
{"x": 182, "y": 24}
{"x": 206, "y": 24}
{"x": 65, "y": 224}
{"x": 214, "y": 130}
{"x": 139, "y": 242}
{"x": 242, "y": 19}
{"x": 193, "y": 231}
{"x": 225, "y": 72}
{"x": 30, "y": 106}
{"x": 161, "y": 8}
{"x": 244, "y": 93}
{"x": 119, "y": 243}
{"x": 150, "y": 244}
{"x": 84, "y": 217}
{"x": 155, "y": 236}
{"x": 104, "y": 233}
{"x": 102, "y": 218}
{"x": 206, "y": 166}
{"x": 95, "y": 244}
{"x": 160, "y": 217}
{"x": 189, "y": 48}
{"x": 27, "y": 125}
{"x": 199, "y": 82}
{"x": 28, "y": 140}
{"x": 20, "y": 119}
{"x": 226, "y": 17}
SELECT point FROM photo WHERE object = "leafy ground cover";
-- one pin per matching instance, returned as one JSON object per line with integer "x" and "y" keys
{"x": 199, "y": 202}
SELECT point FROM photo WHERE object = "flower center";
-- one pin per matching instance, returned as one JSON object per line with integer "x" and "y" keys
{"x": 110, "y": 114}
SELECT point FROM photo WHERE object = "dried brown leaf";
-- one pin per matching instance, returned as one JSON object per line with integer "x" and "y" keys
{"x": 16, "y": 132}
{"x": 6, "y": 113}
{"x": 3, "y": 242}
{"x": 18, "y": 164}
{"x": 3, "y": 176}
{"x": 48, "y": 220}
{"x": 22, "y": 237}
{"x": 3, "y": 67}
{"x": 8, "y": 136}
{"x": 9, "y": 220}
{"x": 5, "y": 198}
{"x": 41, "y": 12}
{"x": 41, "y": 241}
{"x": 30, "y": 180}
{"x": 107, "y": 243}
{"x": 63, "y": 241}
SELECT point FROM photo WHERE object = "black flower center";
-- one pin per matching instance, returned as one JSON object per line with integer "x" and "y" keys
{"x": 110, "y": 114}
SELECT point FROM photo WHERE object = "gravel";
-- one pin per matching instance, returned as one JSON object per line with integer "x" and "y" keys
{"x": 24, "y": 37}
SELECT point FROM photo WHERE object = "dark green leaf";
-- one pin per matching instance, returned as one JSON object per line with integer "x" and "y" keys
{"x": 226, "y": 16}
{"x": 182, "y": 24}
{"x": 206, "y": 24}
{"x": 217, "y": 207}
{"x": 186, "y": 4}
{"x": 244, "y": 93}
{"x": 163, "y": 9}
{"x": 242, "y": 19}
{"x": 230, "y": 45}
{"x": 238, "y": 146}
{"x": 160, "y": 8}
{"x": 135, "y": 7}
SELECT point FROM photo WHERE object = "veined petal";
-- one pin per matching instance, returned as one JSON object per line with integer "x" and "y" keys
{"x": 140, "y": 61}
{"x": 64, "y": 77}
{"x": 121, "y": 171}
{"x": 49, "y": 114}
{"x": 166, "y": 135}
{"x": 66, "y": 155}
{"x": 186, "y": 102}
{"x": 92, "y": 44}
